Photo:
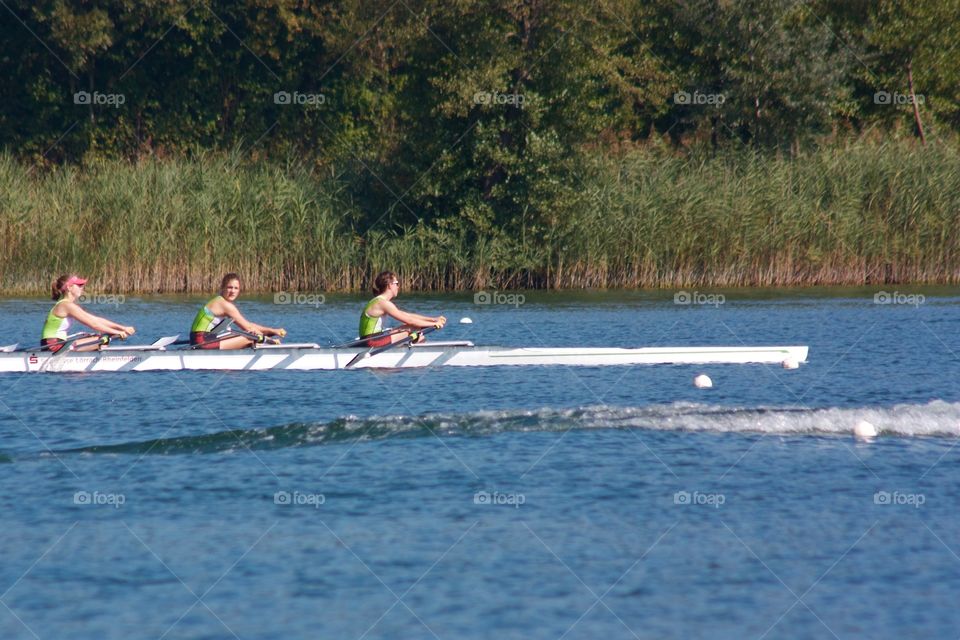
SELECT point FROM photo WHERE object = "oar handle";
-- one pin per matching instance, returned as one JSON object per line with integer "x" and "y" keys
{"x": 257, "y": 338}
{"x": 400, "y": 343}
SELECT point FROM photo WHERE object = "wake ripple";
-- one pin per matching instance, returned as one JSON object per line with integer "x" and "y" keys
{"x": 934, "y": 419}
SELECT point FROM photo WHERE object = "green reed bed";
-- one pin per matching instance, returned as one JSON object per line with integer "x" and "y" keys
{"x": 173, "y": 226}
{"x": 865, "y": 213}
{"x": 861, "y": 214}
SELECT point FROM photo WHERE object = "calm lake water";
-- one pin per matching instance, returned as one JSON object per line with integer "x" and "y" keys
{"x": 529, "y": 502}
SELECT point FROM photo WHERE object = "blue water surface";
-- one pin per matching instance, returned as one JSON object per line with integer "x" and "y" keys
{"x": 527, "y": 502}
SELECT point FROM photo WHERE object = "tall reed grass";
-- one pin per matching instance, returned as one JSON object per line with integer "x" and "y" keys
{"x": 864, "y": 213}
{"x": 859, "y": 214}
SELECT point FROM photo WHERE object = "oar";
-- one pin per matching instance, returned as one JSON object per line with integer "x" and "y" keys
{"x": 222, "y": 327}
{"x": 233, "y": 333}
{"x": 399, "y": 343}
{"x": 46, "y": 347}
{"x": 257, "y": 338}
{"x": 158, "y": 344}
{"x": 56, "y": 357}
{"x": 362, "y": 342}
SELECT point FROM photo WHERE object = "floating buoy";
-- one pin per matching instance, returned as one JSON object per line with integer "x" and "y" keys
{"x": 702, "y": 381}
{"x": 790, "y": 363}
{"x": 466, "y": 321}
{"x": 864, "y": 429}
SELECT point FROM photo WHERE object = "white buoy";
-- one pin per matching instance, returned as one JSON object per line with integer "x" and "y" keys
{"x": 864, "y": 429}
{"x": 702, "y": 381}
{"x": 790, "y": 363}
{"x": 466, "y": 321}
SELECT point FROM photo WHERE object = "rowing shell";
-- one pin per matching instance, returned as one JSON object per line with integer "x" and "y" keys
{"x": 310, "y": 357}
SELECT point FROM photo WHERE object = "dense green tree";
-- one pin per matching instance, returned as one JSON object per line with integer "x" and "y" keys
{"x": 761, "y": 71}
{"x": 468, "y": 112}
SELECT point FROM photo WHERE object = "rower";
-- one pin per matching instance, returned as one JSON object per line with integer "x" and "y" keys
{"x": 386, "y": 286}
{"x": 218, "y": 309}
{"x": 65, "y": 291}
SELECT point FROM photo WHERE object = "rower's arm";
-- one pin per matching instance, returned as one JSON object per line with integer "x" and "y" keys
{"x": 98, "y": 324}
{"x": 413, "y": 319}
{"x": 224, "y": 308}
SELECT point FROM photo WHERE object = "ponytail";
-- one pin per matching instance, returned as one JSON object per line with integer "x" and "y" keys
{"x": 382, "y": 281}
{"x": 56, "y": 290}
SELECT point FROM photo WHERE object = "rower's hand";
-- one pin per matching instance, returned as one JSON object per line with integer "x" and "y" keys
{"x": 440, "y": 322}
{"x": 128, "y": 331}
{"x": 281, "y": 333}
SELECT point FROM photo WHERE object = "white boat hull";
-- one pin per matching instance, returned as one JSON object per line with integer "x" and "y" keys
{"x": 310, "y": 357}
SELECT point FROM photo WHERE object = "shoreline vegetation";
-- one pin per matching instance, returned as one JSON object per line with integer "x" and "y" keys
{"x": 858, "y": 214}
{"x": 474, "y": 145}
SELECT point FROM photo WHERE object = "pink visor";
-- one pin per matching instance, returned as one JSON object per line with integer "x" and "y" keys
{"x": 74, "y": 280}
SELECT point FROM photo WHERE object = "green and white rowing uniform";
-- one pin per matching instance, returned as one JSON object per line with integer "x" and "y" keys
{"x": 368, "y": 324}
{"x": 206, "y": 321}
{"x": 55, "y": 328}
